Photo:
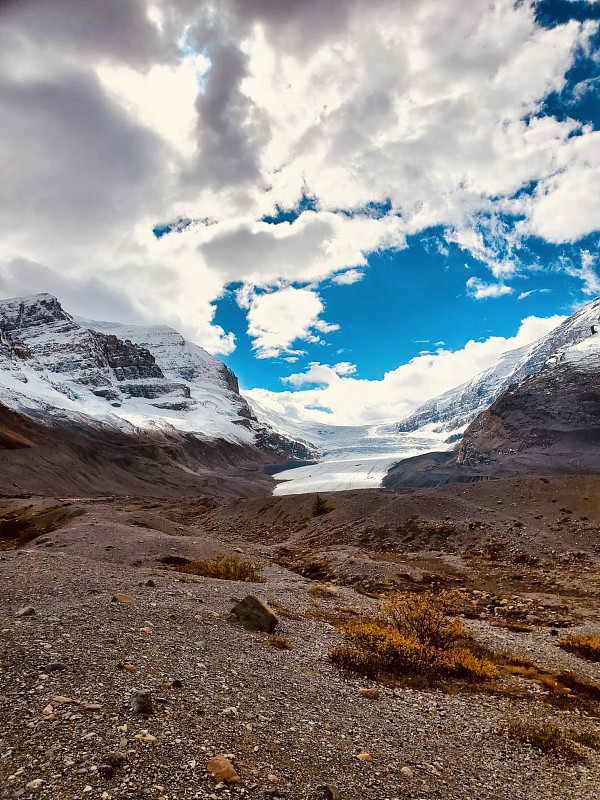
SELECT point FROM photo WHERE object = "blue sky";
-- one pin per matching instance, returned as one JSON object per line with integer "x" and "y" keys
{"x": 357, "y": 205}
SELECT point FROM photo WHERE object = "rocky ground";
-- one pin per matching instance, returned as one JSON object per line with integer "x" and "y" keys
{"x": 292, "y": 724}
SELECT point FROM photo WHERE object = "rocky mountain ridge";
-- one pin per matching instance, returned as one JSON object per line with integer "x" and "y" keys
{"x": 547, "y": 423}
{"x": 458, "y": 407}
{"x": 94, "y": 389}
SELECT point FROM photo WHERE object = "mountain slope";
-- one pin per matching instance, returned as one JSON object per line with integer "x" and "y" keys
{"x": 141, "y": 405}
{"x": 549, "y": 423}
{"x": 459, "y": 406}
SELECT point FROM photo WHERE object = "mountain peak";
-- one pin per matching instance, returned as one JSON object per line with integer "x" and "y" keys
{"x": 30, "y": 311}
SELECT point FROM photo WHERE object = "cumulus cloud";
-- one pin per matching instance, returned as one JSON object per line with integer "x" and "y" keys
{"x": 355, "y": 401}
{"x": 116, "y": 116}
{"x": 481, "y": 290}
{"x": 277, "y": 319}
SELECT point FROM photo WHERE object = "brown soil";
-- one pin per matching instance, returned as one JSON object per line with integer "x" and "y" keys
{"x": 525, "y": 553}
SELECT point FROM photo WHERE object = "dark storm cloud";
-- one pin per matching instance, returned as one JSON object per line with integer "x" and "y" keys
{"x": 90, "y": 296}
{"x": 231, "y": 129}
{"x": 110, "y": 28}
{"x": 68, "y": 154}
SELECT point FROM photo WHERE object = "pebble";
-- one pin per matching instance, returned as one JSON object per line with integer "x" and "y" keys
{"x": 331, "y": 792}
{"x": 371, "y": 694}
{"x": 26, "y": 611}
{"x": 36, "y": 783}
{"x": 144, "y": 736}
{"x": 55, "y": 666}
{"x": 121, "y": 598}
{"x": 223, "y": 771}
{"x": 116, "y": 758}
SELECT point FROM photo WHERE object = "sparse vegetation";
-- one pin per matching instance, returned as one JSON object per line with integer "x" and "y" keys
{"x": 321, "y": 506}
{"x": 548, "y": 738}
{"x": 322, "y": 592}
{"x": 582, "y": 646}
{"x": 412, "y": 635}
{"x": 546, "y": 679}
{"x": 279, "y": 642}
{"x": 226, "y": 568}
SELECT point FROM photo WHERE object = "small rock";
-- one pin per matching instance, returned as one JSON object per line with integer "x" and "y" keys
{"x": 26, "y": 611}
{"x": 128, "y": 667}
{"x": 34, "y": 784}
{"x": 364, "y": 756}
{"x": 106, "y": 771}
{"x": 222, "y": 770}
{"x": 141, "y": 702}
{"x": 150, "y": 582}
{"x": 255, "y": 615}
{"x": 121, "y": 598}
{"x": 331, "y": 792}
{"x": 144, "y": 736}
{"x": 62, "y": 700}
{"x": 230, "y": 711}
{"x": 372, "y": 694}
{"x": 407, "y": 772}
{"x": 272, "y": 778}
{"x": 92, "y": 706}
{"x": 116, "y": 758}
{"x": 55, "y": 666}
{"x": 553, "y": 632}
{"x": 177, "y": 684}
{"x": 87, "y": 789}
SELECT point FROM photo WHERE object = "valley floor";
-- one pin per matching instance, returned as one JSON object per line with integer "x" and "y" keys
{"x": 526, "y": 555}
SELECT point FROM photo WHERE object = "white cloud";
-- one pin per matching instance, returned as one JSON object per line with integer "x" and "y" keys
{"x": 481, "y": 290}
{"x": 107, "y": 131}
{"x": 348, "y": 277}
{"x": 586, "y": 273}
{"x": 354, "y": 401}
{"x": 524, "y": 295}
{"x": 277, "y": 319}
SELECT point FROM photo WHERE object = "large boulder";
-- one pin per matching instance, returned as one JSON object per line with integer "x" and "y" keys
{"x": 255, "y": 615}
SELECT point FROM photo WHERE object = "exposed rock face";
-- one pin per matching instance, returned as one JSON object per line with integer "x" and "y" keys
{"x": 551, "y": 420}
{"x": 549, "y": 424}
{"x": 121, "y": 399}
{"x": 458, "y": 407}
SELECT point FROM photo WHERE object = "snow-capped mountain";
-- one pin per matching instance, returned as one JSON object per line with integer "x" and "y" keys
{"x": 123, "y": 376}
{"x": 547, "y": 423}
{"x": 456, "y": 408}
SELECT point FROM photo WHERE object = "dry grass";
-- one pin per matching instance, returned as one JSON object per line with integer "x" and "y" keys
{"x": 412, "y": 635}
{"x": 322, "y": 592}
{"x": 226, "y": 568}
{"x": 583, "y": 646}
{"x": 532, "y": 673}
{"x": 283, "y": 610}
{"x": 279, "y": 642}
{"x": 548, "y": 738}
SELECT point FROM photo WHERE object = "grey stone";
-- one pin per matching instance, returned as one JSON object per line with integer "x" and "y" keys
{"x": 331, "y": 792}
{"x": 141, "y": 702}
{"x": 255, "y": 615}
{"x": 26, "y": 611}
{"x": 116, "y": 758}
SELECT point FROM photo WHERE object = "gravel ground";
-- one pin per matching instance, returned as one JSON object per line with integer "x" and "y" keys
{"x": 289, "y": 720}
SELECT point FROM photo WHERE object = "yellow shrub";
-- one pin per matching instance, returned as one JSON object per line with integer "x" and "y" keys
{"x": 411, "y": 636}
{"x": 227, "y": 568}
{"x": 583, "y": 646}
